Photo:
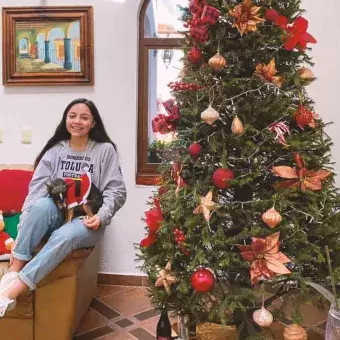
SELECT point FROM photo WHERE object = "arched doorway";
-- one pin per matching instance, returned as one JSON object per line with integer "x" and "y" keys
{"x": 23, "y": 48}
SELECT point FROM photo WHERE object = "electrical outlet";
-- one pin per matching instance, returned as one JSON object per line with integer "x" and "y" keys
{"x": 26, "y": 135}
{"x": 1, "y": 135}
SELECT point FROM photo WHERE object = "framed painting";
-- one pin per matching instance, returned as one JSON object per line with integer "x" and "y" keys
{"x": 47, "y": 46}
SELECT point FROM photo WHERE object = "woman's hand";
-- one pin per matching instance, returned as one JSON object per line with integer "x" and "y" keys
{"x": 11, "y": 258}
{"x": 93, "y": 222}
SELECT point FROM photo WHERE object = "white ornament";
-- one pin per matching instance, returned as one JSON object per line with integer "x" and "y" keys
{"x": 210, "y": 115}
{"x": 263, "y": 317}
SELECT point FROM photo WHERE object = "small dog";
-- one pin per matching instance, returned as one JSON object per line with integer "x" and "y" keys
{"x": 72, "y": 200}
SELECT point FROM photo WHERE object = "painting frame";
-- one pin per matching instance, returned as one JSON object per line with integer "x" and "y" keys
{"x": 13, "y": 17}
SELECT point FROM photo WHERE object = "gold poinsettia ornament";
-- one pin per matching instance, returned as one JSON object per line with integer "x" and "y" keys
{"x": 246, "y": 17}
{"x": 205, "y": 206}
{"x": 268, "y": 73}
{"x": 166, "y": 278}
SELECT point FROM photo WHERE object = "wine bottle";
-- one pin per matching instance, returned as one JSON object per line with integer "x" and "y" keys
{"x": 163, "y": 326}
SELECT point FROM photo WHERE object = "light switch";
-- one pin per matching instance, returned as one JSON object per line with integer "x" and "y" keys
{"x": 26, "y": 135}
{"x": 1, "y": 135}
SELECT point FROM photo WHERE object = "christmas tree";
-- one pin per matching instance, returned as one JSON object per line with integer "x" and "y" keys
{"x": 248, "y": 201}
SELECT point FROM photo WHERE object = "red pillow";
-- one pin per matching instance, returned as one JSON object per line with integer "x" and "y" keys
{"x": 13, "y": 189}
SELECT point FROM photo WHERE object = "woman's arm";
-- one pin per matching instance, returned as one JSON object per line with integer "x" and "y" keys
{"x": 111, "y": 185}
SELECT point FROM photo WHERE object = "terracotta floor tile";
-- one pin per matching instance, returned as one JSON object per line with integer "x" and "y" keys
{"x": 128, "y": 302}
{"x": 95, "y": 333}
{"x": 104, "y": 290}
{"x": 150, "y": 325}
{"x": 104, "y": 309}
{"x": 136, "y": 320}
{"x": 118, "y": 336}
{"x": 91, "y": 320}
{"x": 148, "y": 314}
{"x": 142, "y": 334}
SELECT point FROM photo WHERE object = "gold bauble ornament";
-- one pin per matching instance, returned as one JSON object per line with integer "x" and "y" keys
{"x": 210, "y": 115}
{"x": 263, "y": 317}
{"x": 306, "y": 73}
{"x": 217, "y": 62}
{"x": 294, "y": 332}
{"x": 272, "y": 218}
{"x": 237, "y": 126}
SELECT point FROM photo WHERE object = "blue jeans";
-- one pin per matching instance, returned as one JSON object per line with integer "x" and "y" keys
{"x": 45, "y": 219}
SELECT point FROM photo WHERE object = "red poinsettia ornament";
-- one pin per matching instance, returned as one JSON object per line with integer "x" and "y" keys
{"x": 149, "y": 240}
{"x": 266, "y": 259}
{"x": 202, "y": 280}
{"x": 298, "y": 37}
{"x": 300, "y": 176}
{"x": 154, "y": 217}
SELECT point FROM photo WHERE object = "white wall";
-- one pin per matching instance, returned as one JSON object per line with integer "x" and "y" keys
{"x": 325, "y": 27}
{"x": 115, "y": 95}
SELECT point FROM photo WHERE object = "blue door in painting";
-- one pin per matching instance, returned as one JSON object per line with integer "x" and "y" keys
{"x": 23, "y": 48}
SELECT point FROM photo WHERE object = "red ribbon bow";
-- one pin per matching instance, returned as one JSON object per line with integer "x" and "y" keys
{"x": 297, "y": 35}
{"x": 165, "y": 124}
{"x": 204, "y": 15}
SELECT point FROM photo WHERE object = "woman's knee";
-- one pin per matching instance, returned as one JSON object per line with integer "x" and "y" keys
{"x": 44, "y": 204}
{"x": 70, "y": 232}
{"x": 76, "y": 235}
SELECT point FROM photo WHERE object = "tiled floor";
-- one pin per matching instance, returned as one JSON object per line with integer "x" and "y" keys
{"x": 119, "y": 313}
{"x": 125, "y": 313}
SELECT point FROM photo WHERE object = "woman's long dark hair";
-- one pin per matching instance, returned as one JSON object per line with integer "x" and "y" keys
{"x": 97, "y": 133}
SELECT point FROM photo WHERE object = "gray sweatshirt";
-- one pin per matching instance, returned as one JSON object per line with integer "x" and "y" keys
{"x": 100, "y": 160}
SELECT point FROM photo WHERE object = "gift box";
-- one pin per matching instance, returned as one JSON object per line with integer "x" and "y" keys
{"x": 212, "y": 331}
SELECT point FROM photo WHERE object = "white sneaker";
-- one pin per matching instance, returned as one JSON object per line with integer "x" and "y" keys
{"x": 5, "y": 283}
{"x": 5, "y": 304}
{"x": 6, "y": 280}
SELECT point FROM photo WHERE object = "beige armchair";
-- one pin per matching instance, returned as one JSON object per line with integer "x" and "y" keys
{"x": 54, "y": 310}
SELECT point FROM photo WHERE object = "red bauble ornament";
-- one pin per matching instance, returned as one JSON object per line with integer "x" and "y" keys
{"x": 162, "y": 190}
{"x": 202, "y": 280}
{"x": 195, "y": 149}
{"x": 221, "y": 178}
{"x": 195, "y": 55}
{"x": 271, "y": 14}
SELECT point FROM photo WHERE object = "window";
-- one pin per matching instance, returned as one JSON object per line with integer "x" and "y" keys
{"x": 160, "y": 62}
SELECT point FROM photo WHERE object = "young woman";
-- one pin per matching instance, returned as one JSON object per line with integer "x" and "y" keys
{"x": 80, "y": 145}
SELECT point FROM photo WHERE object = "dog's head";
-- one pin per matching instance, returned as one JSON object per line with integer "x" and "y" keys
{"x": 58, "y": 191}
